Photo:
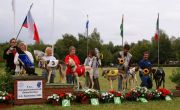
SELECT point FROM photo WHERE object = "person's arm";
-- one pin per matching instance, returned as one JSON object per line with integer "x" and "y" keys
{"x": 16, "y": 61}
{"x": 78, "y": 61}
{"x": 31, "y": 57}
{"x": 86, "y": 62}
{"x": 5, "y": 55}
{"x": 66, "y": 60}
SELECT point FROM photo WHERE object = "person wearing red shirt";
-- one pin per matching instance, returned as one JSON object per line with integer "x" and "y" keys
{"x": 70, "y": 77}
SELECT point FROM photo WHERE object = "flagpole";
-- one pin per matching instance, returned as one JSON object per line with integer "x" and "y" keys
{"x": 22, "y": 25}
{"x": 158, "y": 39}
{"x": 53, "y": 27}
{"x": 14, "y": 15}
{"x": 87, "y": 34}
{"x": 122, "y": 30}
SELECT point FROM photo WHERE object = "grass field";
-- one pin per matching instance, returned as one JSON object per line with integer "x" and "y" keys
{"x": 151, "y": 105}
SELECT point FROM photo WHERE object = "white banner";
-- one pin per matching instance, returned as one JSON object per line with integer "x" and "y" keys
{"x": 29, "y": 89}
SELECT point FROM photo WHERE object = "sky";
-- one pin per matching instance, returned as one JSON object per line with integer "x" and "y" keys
{"x": 71, "y": 15}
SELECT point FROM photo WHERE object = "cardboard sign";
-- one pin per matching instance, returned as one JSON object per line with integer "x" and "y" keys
{"x": 143, "y": 100}
{"x": 168, "y": 98}
{"x": 117, "y": 100}
{"x": 66, "y": 103}
{"x": 94, "y": 101}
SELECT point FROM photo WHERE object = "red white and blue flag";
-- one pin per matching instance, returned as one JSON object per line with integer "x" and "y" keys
{"x": 30, "y": 24}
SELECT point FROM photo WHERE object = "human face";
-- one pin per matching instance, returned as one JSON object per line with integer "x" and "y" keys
{"x": 22, "y": 47}
{"x": 146, "y": 56}
{"x": 73, "y": 52}
{"x": 13, "y": 43}
{"x": 49, "y": 52}
{"x": 126, "y": 50}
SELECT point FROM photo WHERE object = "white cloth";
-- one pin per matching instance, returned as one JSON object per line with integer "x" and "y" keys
{"x": 17, "y": 63}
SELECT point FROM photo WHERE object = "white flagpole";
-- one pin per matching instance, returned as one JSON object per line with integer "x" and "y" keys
{"x": 87, "y": 32}
{"x": 53, "y": 26}
{"x": 158, "y": 39}
{"x": 14, "y": 16}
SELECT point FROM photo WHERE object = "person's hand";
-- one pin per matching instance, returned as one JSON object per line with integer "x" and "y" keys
{"x": 8, "y": 52}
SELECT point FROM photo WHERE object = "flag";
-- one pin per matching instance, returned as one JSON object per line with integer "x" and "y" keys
{"x": 87, "y": 24}
{"x": 121, "y": 26}
{"x": 30, "y": 24}
{"x": 156, "y": 37}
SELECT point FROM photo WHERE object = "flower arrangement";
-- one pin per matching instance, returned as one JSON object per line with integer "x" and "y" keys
{"x": 85, "y": 95}
{"x": 5, "y": 97}
{"x": 106, "y": 97}
{"x": 57, "y": 98}
{"x": 135, "y": 94}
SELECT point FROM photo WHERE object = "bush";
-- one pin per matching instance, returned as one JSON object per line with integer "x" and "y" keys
{"x": 6, "y": 82}
{"x": 175, "y": 77}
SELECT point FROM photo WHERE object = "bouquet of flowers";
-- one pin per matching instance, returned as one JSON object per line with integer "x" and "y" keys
{"x": 5, "y": 97}
{"x": 85, "y": 95}
{"x": 106, "y": 97}
{"x": 135, "y": 94}
{"x": 159, "y": 93}
{"x": 57, "y": 98}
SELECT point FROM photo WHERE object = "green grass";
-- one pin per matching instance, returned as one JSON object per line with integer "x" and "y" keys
{"x": 151, "y": 105}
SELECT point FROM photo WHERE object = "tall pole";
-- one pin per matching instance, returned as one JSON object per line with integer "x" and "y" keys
{"x": 158, "y": 37}
{"x": 122, "y": 28}
{"x": 14, "y": 15}
{"x": 22, "y": 24}
{"x": 87, "y": 26}
{"x": 53, "y": 27}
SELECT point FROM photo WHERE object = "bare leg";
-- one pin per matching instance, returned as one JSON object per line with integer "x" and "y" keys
{"x": 49, "y": 75}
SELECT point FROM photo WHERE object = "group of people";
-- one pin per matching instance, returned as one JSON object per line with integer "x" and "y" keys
{"x": 11, "y": 57}
{"x": 144, "y": 63}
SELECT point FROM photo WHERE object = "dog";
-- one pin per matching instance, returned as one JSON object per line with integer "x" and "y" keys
{"x": 132, "y": 77}
{"x": 110, "y": 75}
{"x": 80, "y": 71}
{"x": 50, "y": 65}
{"x": 159, "y": 77}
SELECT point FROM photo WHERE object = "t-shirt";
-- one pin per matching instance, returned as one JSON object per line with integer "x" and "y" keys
{"x": 46, "y": 58}
{"x": 145, "y": 64}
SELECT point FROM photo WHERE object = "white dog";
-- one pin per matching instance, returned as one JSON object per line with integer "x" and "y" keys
{"x": 132, "y": 77}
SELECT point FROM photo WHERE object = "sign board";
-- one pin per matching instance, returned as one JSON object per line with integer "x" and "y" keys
{"x": 143, "y": 100}
{"x": 94, "y": 101}
{"x": 117, "y": 100}
{"x": 31, "y": 89}
{"x": 66, "y": 103}
{"x": 168, "y": 98}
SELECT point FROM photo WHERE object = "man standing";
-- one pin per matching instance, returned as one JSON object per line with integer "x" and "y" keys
{"x": 9, "y": 54}
{"x": 145, "y": 66}
{"x": 70, "y": 78}
{"x": 124, "y": 60}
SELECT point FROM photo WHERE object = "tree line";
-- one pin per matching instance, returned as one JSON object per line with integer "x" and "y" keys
{"x": 169, "y": 48}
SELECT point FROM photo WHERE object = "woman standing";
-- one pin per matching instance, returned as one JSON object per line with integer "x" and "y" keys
{"x": 48, "y": 56}
{"x": 19, "y": 67}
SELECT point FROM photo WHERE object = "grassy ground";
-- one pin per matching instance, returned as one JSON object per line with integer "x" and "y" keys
{"x": 152, "y": 105}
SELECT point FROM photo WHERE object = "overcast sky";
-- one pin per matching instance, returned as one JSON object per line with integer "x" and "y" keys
{"x": 70, "y": 17}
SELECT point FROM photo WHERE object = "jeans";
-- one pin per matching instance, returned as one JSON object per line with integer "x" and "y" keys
{"x": 70, "y": 78}
{"x": 45, "y": 75}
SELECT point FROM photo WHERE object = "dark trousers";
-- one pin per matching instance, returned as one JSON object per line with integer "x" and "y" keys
{"x": 96, "y": 83}
{"x": 70, "y": 78}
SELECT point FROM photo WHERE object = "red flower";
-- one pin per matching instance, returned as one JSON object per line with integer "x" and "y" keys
{"x": 164, "y": 91}
{"x": 62, "y": 95}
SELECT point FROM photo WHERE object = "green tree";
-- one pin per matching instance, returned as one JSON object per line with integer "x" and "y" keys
{"x": 165, "y": 50}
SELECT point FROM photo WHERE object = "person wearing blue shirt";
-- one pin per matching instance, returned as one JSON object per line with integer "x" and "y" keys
{"x": 145, "y": 64}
